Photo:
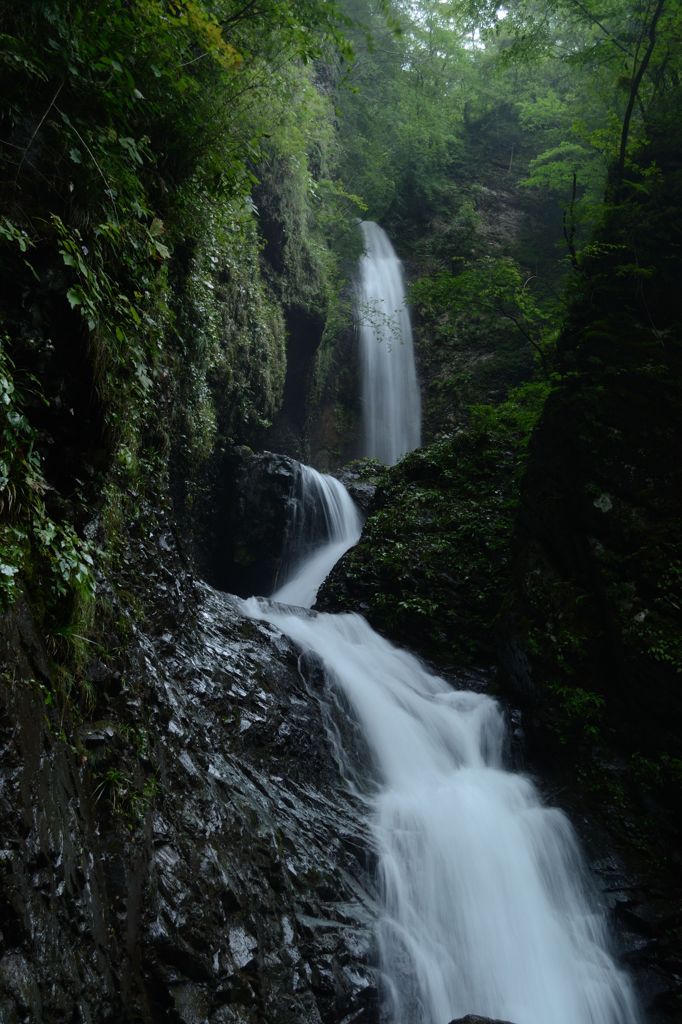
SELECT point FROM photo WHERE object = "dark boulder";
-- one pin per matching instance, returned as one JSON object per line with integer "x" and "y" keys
{"x": 241, "y": 540}
{"x": 432, "y": 565}
{"x": 237, "y": 538}
{"x": 471, "y": 1018}
{"x": 361, "y": 479}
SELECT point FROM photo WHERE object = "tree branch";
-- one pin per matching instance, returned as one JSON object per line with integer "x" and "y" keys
{"x": 529, "y": 337}
{"x": 595, "y": 21}
{"x": 37, "y": 129}
{"x": 637, "y": 76}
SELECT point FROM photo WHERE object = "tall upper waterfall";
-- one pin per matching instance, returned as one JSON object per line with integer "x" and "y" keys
{"x": 486, "y": 907}
{"x": 391, "y": 401}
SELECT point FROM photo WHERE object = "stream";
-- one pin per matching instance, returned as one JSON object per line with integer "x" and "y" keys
{"x": 487, "y": 907}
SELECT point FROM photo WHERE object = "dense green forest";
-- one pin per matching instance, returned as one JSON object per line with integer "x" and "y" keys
{"x": 181, "y": 182}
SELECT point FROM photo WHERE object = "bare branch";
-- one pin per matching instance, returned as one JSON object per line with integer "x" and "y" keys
{"x": 37, "y": 129}
{"x": 595, "y": 21}
{"x": 109, "y": 189}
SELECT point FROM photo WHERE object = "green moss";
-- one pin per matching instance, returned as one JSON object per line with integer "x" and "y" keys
{"x": 577, "y": 714}
{"x": 432, "y": 565}
{"x": 232, "y": 332}
{"x": 46, "y": 554}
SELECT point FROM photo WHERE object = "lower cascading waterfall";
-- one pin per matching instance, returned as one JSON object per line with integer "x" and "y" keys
{"x": 487, "y": 907}
{"x": 323, "y": 524}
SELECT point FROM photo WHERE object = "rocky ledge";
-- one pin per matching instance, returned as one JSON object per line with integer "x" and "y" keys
{"x": 217, "y": 876}
{"x": 471, "y": 1018}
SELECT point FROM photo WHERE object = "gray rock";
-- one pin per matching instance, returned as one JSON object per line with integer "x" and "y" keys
{"x": 471, "y": 1018}
{"x": 238, "y": 538}
{"x": 238, "y": 893}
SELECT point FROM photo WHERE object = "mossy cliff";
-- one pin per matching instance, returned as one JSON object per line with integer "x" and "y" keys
{"x": 590, "y": 635}
{"x": 168, "y": 258}
{"x": 593, "y": 620}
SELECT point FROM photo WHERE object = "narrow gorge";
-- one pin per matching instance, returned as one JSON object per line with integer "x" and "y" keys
{"x": 340, "y": 490}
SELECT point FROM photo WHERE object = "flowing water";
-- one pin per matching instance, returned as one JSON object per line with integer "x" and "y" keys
{"x": 391, "y": 402}
{"x": 324, "y": 523}
{"x": 486, "y": 905}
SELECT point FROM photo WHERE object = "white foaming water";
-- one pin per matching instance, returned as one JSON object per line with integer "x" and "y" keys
{"x": 487, "y": 908}
{"x": 390, "y": 393}
{"x": 324, "y": 524}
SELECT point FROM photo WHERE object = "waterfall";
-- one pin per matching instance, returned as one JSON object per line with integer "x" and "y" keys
{"x": 391, "y": 402}
{"x": 324, "y": 523}
{"x": 487, "y": 907}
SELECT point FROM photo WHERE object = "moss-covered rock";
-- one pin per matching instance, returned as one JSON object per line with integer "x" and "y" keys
{"x": 432, "y": 565}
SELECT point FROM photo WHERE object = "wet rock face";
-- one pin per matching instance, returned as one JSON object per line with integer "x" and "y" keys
{"x": 236, "y": 891}
{"x": 58, "y": 930}
{"x": 238, "y": 543}
{"x": 471, "y": 1018}
{"x": 361, "y": 480}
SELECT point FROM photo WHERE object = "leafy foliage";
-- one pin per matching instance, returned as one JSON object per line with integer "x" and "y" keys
{"x": 30, "y": 539}
{"x": 134, "y": 283}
